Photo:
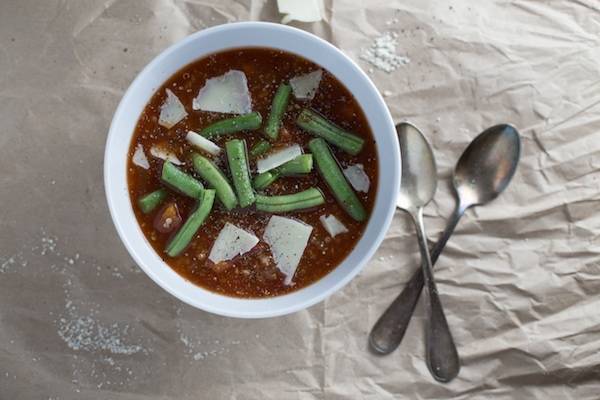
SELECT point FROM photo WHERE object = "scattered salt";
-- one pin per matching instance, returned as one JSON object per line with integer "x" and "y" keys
{"x": 382, "y": 53}
{"x": 48, "y": 245}
{"x": 85, "y": 333}
{"x": 7, "y": 264}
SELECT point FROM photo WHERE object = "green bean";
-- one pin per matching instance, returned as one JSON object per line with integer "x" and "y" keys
{"x": 179, "y": 180}
{"x": 316, "y": 124}
{"x": 290, "y": 202}
{"x": 186, "y": 233}
{"x": 244, "y": 122}
{"x": 217, "y": 180}
{"x": 150, "y": 201}
{"x": 335, "y": 179}
{"x": 263, "y": 180}
{"x": 300, "y": 165}
{"x": 260, "y": 148}
{"x": 280, "y": 102}
{"x": 238, "y": 166}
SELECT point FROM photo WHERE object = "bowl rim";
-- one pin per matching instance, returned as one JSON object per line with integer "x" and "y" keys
{"x": 263, "y": 306}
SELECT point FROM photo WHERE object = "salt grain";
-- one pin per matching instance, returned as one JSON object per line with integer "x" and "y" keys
{"x": 382, "y": 53}
{"x": 7, "y": 264}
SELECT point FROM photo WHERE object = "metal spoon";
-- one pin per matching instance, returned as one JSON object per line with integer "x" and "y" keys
{"x": 419, "y": 181}
{"x": 483, "y": 171}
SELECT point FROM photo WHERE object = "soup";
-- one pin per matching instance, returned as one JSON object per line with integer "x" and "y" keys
{"x": 252, "y": 172}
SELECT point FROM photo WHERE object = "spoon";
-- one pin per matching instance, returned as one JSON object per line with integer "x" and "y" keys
{"x": 483, "y": 171}
{"x": 419, "y": 181}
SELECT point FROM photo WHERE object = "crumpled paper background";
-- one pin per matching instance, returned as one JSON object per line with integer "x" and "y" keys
{"x": 520, "y": 277}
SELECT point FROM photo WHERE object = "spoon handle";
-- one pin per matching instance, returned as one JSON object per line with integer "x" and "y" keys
{"x": 442, "y": 357}
{"x": 388, "y": 331}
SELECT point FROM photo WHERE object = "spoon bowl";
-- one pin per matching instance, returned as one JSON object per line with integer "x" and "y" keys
{"x": 419, "y": 176}
{"x": 487, "y": 165}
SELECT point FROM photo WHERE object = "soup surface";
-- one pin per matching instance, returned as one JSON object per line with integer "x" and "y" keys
{"x": 256, "y": 272}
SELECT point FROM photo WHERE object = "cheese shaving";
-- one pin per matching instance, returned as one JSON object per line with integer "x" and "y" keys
{"x": 301, "y": 10}
{"x": 227, "y": 93}
{"x": 164, "y": 154}
{"x": 231, "y": 242}
{"x": 305, "y": 86}
{"x": 288, "y": 239}
{"x": 332, "y": 225}
{"x": 171, "y": 111}
{"x": 278, "y": 158}
{"x": 357, "y": 177}
{"x": 139, "y": 157}
{"x": 202, "y": 143}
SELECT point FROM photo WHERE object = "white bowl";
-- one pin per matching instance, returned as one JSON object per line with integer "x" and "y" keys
{"x": 203, "y": 43}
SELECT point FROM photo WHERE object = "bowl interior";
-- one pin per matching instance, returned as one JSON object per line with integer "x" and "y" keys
{"x": 198, "y": 45}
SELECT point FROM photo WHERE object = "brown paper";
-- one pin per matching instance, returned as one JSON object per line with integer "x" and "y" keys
{"x": 520, "y": 277}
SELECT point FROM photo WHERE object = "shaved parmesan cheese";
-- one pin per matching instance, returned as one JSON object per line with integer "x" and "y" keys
{"x": 164, "y": 154}
{"x": 139, "y": 157}
{"x": 301, "y": 10}
{"x": 202, "y": 143}
{"x": 227, "y": 93}
{"x": 278, "y": 158}
{"x": 288, "y": 239}
{"x": 332, "y": 225}
{"x": 305, "y": 86}
{"x": 231, "y": 242}
{"x": 171, "y": 111}
{"x": 357, "y": 177}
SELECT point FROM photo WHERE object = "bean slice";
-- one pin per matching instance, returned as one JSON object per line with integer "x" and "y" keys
{"x": 238, "y": 166}
{"x": 150, "y": 201}
{"x": 290, "y": 202}
{"x": 302, "y": 164}
{"x": 244, "y": 122}
{"x": 179, "y": 180}
{"x": 316, "y": 124}
{"x": 260, "y": 148}
{"x": 265, "y": 179}
{"x": 217, "y": 180}
{"x": 280, "y": 102}
{"x": 186, "y": 233}
{"x": 335, "y": 179}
